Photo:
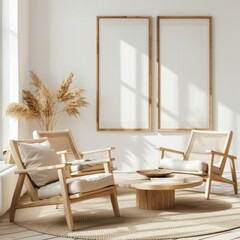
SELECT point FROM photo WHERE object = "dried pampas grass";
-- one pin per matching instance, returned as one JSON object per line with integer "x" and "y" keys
{"x": 63, "y": 89}
{"x": 46, "y": 108}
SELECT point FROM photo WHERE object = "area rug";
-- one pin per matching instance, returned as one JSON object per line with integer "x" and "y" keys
{"x": 94, "y": 219}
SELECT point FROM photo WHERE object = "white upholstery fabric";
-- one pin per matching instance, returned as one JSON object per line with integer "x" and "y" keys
{"x": 8, "y": 182}
{"x": 77, "y": 185}
{"x": 39, "y": 155}
{"x": 4, "y": 167}
{"x": 185, "y": 165}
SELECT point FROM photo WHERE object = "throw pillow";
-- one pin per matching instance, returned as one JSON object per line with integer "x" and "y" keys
{"x": 40, "y": 155}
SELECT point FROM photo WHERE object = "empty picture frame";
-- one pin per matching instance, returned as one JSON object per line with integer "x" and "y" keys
{"x": 124, "y": 73}
{"x": 184, "y": 69}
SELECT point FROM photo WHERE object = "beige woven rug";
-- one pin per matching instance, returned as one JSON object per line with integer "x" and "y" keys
{"x": 94, "y": 219}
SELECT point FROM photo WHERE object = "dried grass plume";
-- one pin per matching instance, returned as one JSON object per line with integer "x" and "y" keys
{"x": 46, "y": 108}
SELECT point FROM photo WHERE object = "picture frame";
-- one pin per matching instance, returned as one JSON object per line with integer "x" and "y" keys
{"x": 184, "y": 73}
{"x": 124, "y": 73}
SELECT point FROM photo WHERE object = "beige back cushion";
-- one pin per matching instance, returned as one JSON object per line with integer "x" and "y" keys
{"x": 39, "y": 155}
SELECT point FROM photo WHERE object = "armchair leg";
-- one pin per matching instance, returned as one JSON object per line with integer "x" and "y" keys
{"x": 235, "y": 187}
{"x": 115, "y": 203}
{"x": 234, "y": 176}
{"x": 208, "y": 188}
{"x": 16, "y": 196}
{"x": 66, "y": 203}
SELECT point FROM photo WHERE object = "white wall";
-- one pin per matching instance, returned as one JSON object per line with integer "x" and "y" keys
{"x": 63, "y": 40}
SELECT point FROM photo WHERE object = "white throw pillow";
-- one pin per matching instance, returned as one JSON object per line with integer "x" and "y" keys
{"x": 40, "y": 155}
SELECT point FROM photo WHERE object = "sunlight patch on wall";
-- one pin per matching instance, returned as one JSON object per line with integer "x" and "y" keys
{"x": 128, "y": 76}
{"x": 182, "y": 102}
{"x": 225, "y": 117}
{"x": 170, "y": 112}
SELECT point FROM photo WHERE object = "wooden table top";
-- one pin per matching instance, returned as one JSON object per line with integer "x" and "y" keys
{"x": 170, "y": 182}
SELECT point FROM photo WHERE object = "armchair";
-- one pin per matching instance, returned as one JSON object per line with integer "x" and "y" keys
{"x": 48, "y": 183}
{"x": 83, "y": 163}
{"x": 206, "y": 156}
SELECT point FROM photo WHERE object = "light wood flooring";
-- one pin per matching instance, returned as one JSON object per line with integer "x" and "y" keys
{"x": 9, "y": 230}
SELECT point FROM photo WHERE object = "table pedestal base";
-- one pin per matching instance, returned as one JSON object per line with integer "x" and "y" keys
{"x": 155, "y": 200}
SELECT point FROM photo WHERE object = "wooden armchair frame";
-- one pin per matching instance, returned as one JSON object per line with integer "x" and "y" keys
{"x": 66, "y": 199}
{"x": 210, "y": 175}
{"x": 57, "y": 138}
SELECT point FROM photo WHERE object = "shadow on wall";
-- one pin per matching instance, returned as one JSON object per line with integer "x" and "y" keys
{"x": 139, "y": 151}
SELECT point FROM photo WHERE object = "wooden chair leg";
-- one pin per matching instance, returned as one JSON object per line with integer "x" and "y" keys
{"x": 115, "y": 203}
{"x": 16, "y": 196}
{"x": 234, "y": 176}
{"x": 208, "y": 187}
{"x": 65, "y": 197}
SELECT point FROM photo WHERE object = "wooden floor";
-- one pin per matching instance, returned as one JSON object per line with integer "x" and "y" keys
{"x": 11, "y": 231}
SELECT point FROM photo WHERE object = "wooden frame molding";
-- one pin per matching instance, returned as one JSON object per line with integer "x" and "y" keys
{"x": 131, "y": 51}
{"x": 171, "y": 116}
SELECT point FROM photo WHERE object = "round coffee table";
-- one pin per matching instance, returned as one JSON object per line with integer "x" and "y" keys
{"x": 158, "y": 193}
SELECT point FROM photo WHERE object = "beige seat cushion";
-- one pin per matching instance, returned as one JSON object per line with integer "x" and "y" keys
{"x": 40, "y": 155}
{"x": 77, "y": 185}
{"x": 186, "y": 165}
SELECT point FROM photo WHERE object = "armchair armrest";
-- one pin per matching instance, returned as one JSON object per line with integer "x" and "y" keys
{"x": 89, "y": 161}
{"x": 163, "y": 150}
{"x": 107, "y": 163}
{"x": 62, "y": 152}
{"x": 213, "y": 154}
{"x": 97, "y": 151}
{"x": 59, "y": 166}
{"x": 222, "y": 154}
